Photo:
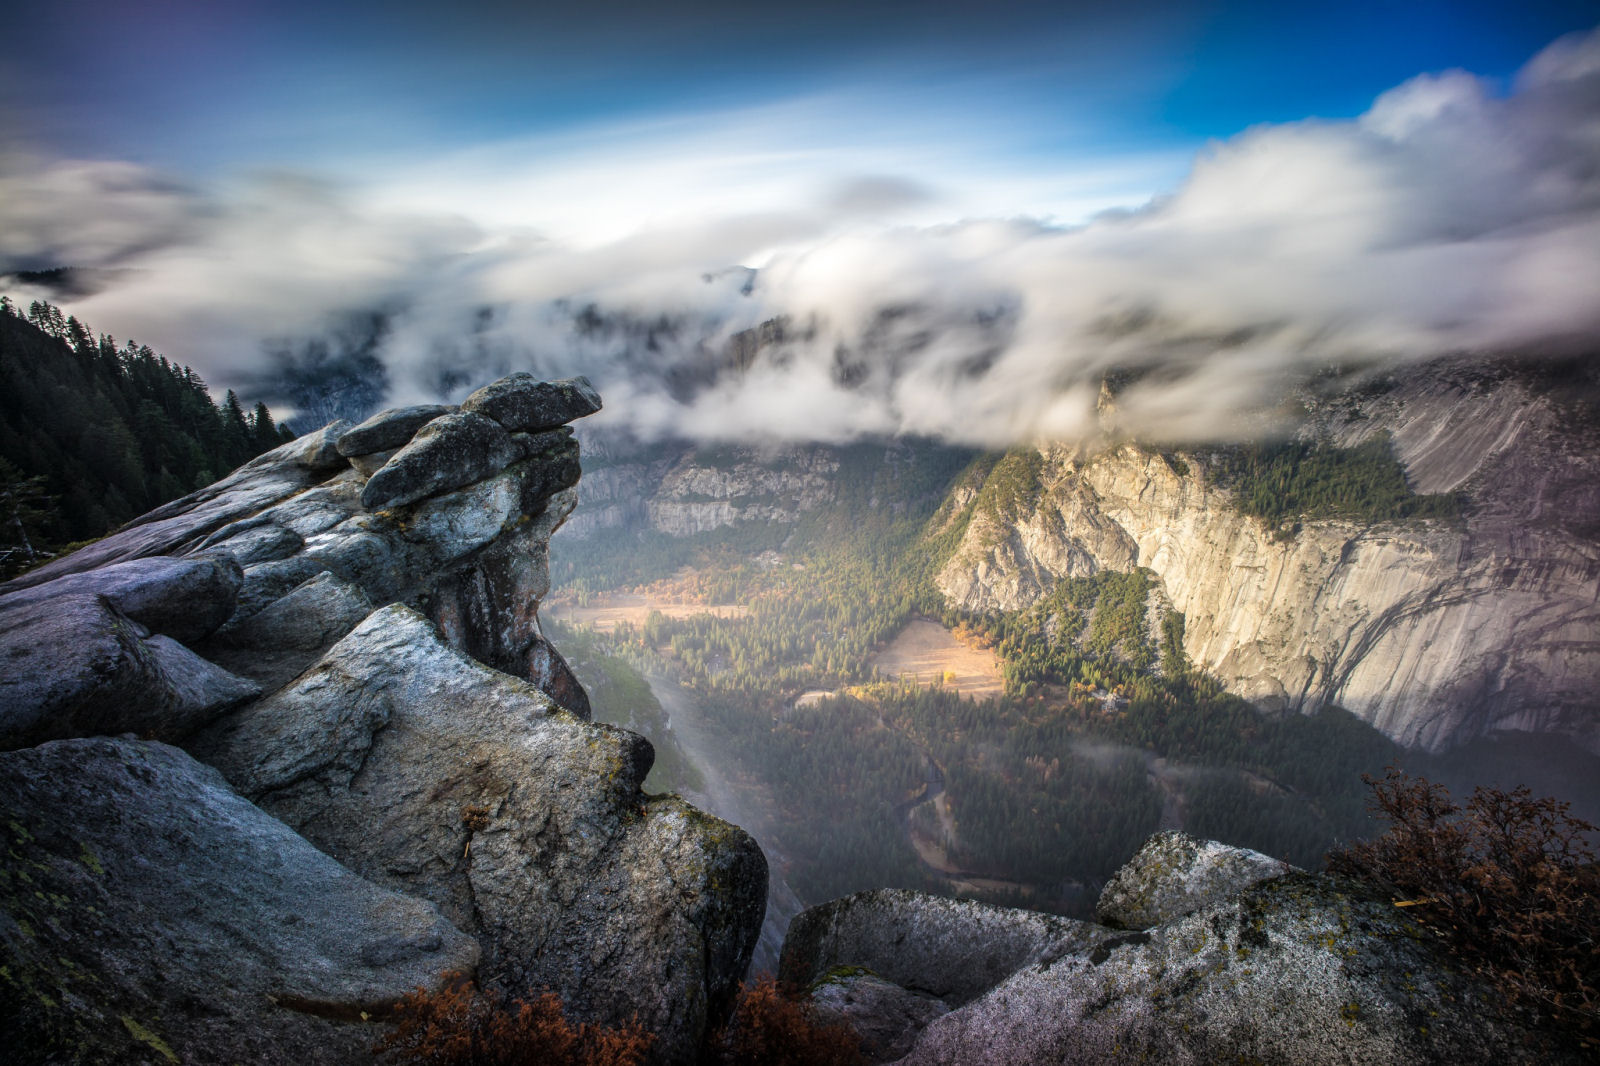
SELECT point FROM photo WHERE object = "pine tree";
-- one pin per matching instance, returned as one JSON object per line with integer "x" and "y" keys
{"x": 263, "y": 430}
{"x": 25, "y": 510}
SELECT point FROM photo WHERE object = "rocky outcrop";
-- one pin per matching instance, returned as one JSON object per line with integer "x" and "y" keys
{"x": 1174, "y": 874}
{"x": 952, "y": 949}
{"x": 77, "y": 666}
{"x": 364, "y": 661}
{"x": 1296, "y": 969}
{"x": 1435, "y": 632}
{"x": 888, "y": 962}
{"x": 525, "y": 824}
{"x": 151, "y": 914}
{"x": 524, "y": 404}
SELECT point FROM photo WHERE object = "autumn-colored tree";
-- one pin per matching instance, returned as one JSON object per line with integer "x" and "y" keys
{"x": 1509, "y": 880}
{"x": 773, "y": 1026}
{"x": 462, "y": 1025}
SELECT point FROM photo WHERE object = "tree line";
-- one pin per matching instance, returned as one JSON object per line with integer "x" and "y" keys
{"x": 93, "y": 433}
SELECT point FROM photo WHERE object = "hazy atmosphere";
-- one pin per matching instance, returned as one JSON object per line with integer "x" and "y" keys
{"x": 964, "y": 219}
{"x": 733, "y": 534}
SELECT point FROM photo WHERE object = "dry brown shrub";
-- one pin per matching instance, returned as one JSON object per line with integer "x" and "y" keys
{"x": 772, "y": 1026}
{"x": 462, "y": 1025}
{"x": 1509, "y": 881}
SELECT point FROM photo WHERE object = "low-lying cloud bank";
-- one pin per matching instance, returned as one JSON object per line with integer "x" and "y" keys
{"x": 1451, "y": 216}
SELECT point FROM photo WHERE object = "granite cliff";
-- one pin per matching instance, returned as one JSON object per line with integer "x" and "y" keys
{"x": 294, "y": 745}
{"x": 1434, "y": 631}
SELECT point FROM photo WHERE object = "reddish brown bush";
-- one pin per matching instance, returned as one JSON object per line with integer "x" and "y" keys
{"x": 462, "y": 1025}
{"x": 772, "y": 1026}
{"x": 1510, "y": 881}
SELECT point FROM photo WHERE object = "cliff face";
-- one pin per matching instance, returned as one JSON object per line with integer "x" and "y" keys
{"x": 679, "y": 491}
{"x": 347, "y": 630}
{"x": 1436, "y": 632}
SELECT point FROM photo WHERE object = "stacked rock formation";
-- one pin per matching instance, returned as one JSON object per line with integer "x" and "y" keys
{"x": 288, "y": 748}
{"x": 1200, "y": 953}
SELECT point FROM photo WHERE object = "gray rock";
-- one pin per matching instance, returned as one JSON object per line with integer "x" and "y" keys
{"x": 317, "y": 452}
{"x": 266, "y": 582}
{"x": 275, "y": 644}
{"x": 75, "y": 666}
{"x": 149, "y": 914}
{"x": 1296, "y": 971}
{"x": 183, "y": 598}
{"x": 523, "y": 403}
{"x": 388, "y": 430}
{"x": 1174, "y": 874}
{"x": 182, "y": 525}
{"x": 952, "y": 949}
{"x": 885, "y": 1017}
{"x": 625, "y": 905}
{"x": 450, "y": 452}
{"x": 367, "y": 465}
{"x": 257, "y": 540}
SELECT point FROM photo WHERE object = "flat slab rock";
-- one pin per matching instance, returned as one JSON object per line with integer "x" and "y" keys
{"x": 184, "y": 599}
{"x": 75, "y": 666}
{"x": 150, "y": 914}
{"x": 523, "y": 403}
{"x": 388, "y": 430}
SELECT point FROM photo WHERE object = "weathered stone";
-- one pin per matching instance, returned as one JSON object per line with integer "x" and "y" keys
{"x": 266, "y": 582}
{"x": 275, "y": 644}
{"x": 388, "y": 430}
{"x": 542, "y": 665}
{"x": 448, "y": 453}
{"x": 74, "y": 667}
{"x": 1296, "y": 971}
{"x": 885, "y": 1017}
{"x": 523, "y": 403}
{"x": 489, "y": 609}
{"x": 179, "y": 527}
{"x": 319, "y": 451}
{"x": 1434, "y": 631}
{"x": 367, "y": 465}
{"x": 149, "y": 914}
{"x": 1174, "y": 874}
{"x": 624, "y": 905}
{"x": 255, "y": 541}
{"x": 183, "y": 598}
{"x": 952, "y": 949}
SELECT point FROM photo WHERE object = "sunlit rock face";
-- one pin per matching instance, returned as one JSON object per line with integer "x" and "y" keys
{"x": 362, "y": 660}
{"x": 1245, "y": 961}
{"x": 1434, "y": 631}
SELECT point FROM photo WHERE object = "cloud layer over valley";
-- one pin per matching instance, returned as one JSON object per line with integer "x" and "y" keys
{"x": 1453, "y": 215}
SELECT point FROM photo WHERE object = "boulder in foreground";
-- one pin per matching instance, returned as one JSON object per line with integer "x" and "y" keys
{"x": 152, "y": 915}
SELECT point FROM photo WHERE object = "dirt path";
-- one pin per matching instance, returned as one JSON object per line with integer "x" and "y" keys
{"x": 925, "y": 652}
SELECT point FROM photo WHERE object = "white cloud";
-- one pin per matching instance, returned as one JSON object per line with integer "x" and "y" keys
{"x": 1448, "y": 217}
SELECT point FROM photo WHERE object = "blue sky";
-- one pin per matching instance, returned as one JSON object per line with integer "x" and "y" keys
{"x": 212, "y": 87}
{"x": 1364, "y": 181}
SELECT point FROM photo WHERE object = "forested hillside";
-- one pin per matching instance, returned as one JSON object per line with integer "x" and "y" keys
{"x": 1104, "y": 731}
{"x": 93, "y": 434}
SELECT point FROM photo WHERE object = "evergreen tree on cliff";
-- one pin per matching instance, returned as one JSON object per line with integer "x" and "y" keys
{"x": 92, "y": 435}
